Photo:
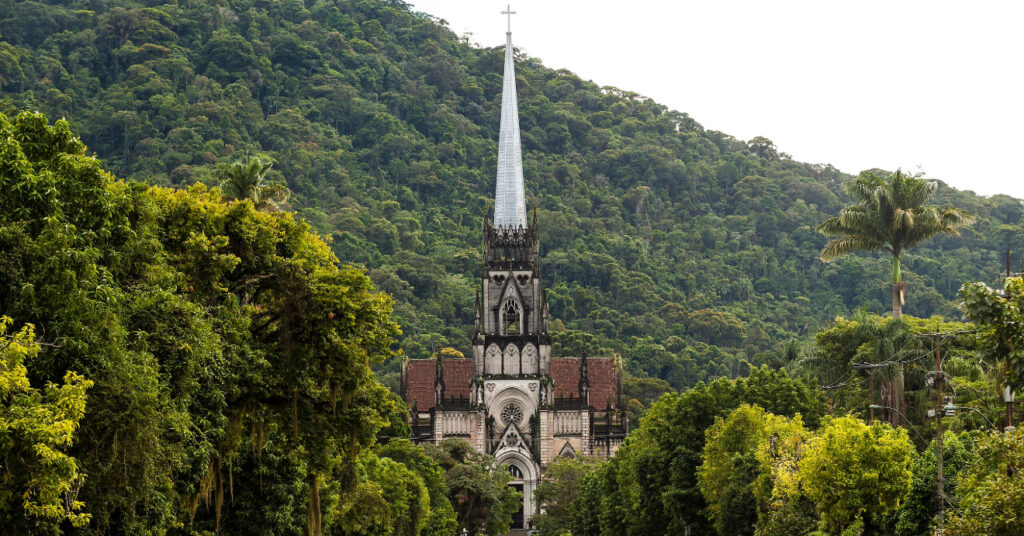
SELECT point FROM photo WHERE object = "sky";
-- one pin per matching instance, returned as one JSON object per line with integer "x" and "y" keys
{"x": 927, "y": 86}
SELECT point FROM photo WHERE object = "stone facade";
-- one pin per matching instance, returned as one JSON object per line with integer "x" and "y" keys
{"x": 512, "y": 399}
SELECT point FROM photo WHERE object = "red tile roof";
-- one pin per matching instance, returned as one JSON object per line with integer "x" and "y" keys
{"x": 601, "y": 371}
{"x": 419, "y": 381}
{"x": 458, "y": 374}
{"x": 565, "y": 373}
{"x": 420, "y": 376}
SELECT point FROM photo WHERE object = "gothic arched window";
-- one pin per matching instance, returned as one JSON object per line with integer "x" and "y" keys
{"x": 511, "y": 317}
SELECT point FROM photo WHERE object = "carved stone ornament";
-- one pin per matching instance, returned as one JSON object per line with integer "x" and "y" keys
{"x": 533, "y": 386}
{"x": 512, "y": 440}
{"x": 490, "y": 386}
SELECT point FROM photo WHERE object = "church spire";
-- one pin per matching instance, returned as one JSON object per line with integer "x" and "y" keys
{"x": 509, "y": 192}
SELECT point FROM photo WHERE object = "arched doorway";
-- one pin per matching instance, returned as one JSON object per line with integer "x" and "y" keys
{"x": 517, "y": 483}
{"x": 525, "y": 476}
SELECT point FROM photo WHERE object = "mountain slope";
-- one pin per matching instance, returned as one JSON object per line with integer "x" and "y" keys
{"x": 684, "y": 249}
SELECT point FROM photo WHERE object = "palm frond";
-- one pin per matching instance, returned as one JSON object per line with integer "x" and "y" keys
{"x": 848, "y": 244}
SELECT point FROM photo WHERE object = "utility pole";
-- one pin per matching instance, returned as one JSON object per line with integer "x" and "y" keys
{"x": 939, "y": 378}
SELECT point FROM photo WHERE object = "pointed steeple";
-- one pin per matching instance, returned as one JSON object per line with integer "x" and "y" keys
{"x": 509, "y": 192}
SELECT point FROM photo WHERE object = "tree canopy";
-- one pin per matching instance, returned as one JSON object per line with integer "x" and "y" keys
{"x": 227, "y": 352}
{"x": 689, "y": 252}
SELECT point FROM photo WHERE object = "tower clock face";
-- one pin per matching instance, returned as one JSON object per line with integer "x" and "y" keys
{"x": 512, "y": 414}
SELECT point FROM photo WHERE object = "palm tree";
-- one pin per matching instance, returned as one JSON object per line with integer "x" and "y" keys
{"x": 246, "y": 180}
{"x": 891, "y": 215}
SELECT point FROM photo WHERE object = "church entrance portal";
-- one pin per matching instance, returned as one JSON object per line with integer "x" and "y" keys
{"x": 517, "y": 518}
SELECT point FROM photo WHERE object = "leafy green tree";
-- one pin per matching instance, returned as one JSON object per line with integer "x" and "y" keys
{"x": 225, "y": 346}
{"x": 608, "y": 501}
{"x": 477, "y": 487}
{"x": 916, "y": 513}
{"x": 1000, "y": 315}
{"x": 247, "y": 180}
{"x": 440, "y": 521}
{"x": 990, "y": 489}
{"x": 39, "y": 481}
{"x": 556, "y": 493}
{"x": 729, "y": 468}
{"x": 652, "y": 488}
{"x": 749, "y": 474}
{"x": 854, "y": 472}
{"x": 783, "y": 509}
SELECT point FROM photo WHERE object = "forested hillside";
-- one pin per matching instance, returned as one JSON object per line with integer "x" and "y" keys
{"x": 684, "y": 249}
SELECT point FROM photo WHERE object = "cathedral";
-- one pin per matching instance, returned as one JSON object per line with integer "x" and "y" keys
{"x": 513, "y": 399}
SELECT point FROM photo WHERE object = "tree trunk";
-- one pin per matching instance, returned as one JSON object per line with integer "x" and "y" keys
{"x": 897, "y": 286}
{"x": 897, "y": 302}
{"x": 892, "y": 392}
{"x": 892, "y": 396}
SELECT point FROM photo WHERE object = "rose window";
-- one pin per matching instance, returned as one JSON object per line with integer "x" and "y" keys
{"x": 512, "y": 414}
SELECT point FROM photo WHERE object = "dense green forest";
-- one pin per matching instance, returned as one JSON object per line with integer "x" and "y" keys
{"x": 172, "y": 362}
{"x": 691, "y": 253}
{"x": 184, "y": 350}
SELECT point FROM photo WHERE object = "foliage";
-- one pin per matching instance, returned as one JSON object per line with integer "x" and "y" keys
{"x": 39, "y": 482}
{"x": 891, "y": 215}
{"x": 683, "y": 249}
{"x": 729, "y": 468}
{"x": 557, "y": 492}
{"x": 992, "y": 493}
{"x": 229, "y": 354}
{"x": 440, "y": 520}
{"x": 852, "y": 471}
{"x": 1000, "y": 314}
{"x": 916, "y": 514}
{"x": 245, "y": 180}
{"x": 651, "y": 486}
{"x": 848, "y": 353}
{"x": 477, "y": 487}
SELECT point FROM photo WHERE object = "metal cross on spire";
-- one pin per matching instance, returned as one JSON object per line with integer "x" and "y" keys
{"x": 510, "y": 192}
{"x": 508, "y": 11}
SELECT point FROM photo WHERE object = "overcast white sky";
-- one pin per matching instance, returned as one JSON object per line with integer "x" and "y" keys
{"x": 935, "y": 85}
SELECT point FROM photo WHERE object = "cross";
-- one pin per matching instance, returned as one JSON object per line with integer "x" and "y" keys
{"x": 508, "y": 11}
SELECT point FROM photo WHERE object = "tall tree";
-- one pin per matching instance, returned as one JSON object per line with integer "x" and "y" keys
{"x": 555, "y": 495}
{"x": 247, "y": 180}
{"x": 891, "y": 215}
{"x": 478, "y": 487}
{"x": 854, "y": 472}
